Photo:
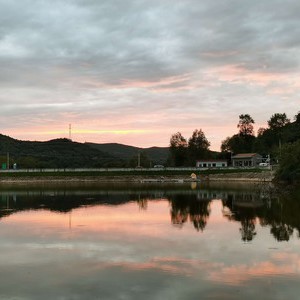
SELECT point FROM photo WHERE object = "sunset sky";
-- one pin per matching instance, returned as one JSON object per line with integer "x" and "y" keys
{"x": 137, "y": 71}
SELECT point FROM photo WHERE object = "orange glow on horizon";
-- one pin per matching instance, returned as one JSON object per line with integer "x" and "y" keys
{"x": 93, "y": 131}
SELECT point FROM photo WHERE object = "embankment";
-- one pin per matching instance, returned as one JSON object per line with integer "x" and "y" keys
{"x": 265, "y": 176}
{"x": 261, "y": 176}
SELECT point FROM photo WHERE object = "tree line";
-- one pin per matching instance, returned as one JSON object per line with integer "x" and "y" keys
{"x": 280, "y": 139}
{"x": 185, "y": 152}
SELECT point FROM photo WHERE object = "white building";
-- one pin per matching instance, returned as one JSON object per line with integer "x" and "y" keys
{"x": 211, "y": 163}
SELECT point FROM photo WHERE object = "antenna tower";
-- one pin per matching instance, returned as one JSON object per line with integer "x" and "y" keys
{"x": 70, "y": 131}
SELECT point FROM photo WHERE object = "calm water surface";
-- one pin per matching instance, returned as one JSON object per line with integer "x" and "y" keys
{"x": 149, "y": 242}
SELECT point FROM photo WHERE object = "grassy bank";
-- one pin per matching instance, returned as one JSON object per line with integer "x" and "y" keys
{"x": 138, "y": 172}
{"x": 140, "y": 175}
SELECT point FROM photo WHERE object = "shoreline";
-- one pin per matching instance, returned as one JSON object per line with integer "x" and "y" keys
{"x": 266, "y": 176}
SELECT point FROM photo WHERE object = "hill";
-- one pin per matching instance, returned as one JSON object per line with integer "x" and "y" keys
{"x": 157, "y": 155}
{"x": 58, "y": 153}
{"x": 64, "y": 153}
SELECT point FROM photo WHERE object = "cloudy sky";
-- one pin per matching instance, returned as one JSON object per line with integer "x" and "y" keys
{"x": 137, "y": 71}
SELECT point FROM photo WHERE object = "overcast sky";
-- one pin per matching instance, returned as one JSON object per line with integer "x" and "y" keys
{"x": 137, "y": 71}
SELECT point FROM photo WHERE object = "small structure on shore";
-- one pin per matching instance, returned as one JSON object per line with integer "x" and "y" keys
{"x": 246, "y": 160}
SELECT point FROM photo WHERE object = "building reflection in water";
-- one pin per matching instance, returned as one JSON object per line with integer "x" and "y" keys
{"x": 187, "y": 205}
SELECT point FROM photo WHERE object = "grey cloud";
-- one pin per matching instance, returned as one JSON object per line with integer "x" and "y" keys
{"x": 148, "y": 40}
{"x": 85, "y": 57}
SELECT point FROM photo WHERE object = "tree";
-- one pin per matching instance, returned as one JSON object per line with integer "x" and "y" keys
{"x": 246, "y": 140}
{"x": 242, "y": 142}
{"x": 178, "y": 149}
{"x": 248, "y": 229}
{"x": 281, "y": 231}
{"x": 289, "y": 167}
{"x": 278, "y": 121}
{"x": 238, "y": 144}
{"x": 225, "y": 145}
{"x": 245, "y": 125}
{"x": 261, "y": 131}
{"x": 297, "y": 118}
{"x": 198, "y": 145}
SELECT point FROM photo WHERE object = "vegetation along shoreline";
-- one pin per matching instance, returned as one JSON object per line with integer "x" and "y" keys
{"x": 256, "y": 175}
{"x": 277, "y": 146}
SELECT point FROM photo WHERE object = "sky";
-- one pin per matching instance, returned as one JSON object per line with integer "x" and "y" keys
{"x": 137, "y": 71}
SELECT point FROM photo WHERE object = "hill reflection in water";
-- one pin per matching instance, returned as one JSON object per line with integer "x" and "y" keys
{"x": 248, "y": 205}
{"x": 179, "y": 242}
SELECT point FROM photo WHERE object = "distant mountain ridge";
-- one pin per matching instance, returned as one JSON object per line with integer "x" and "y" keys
{"x": 64, "y": 153}
{"x": 158, "y": 155}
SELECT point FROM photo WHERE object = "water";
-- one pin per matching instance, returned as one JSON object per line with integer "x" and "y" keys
{"x": 149, "y": 242}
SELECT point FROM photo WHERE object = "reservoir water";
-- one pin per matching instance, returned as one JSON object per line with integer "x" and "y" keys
{"x": 180, "y": 241}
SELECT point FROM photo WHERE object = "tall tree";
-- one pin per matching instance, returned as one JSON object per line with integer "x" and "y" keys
{"x": 198, "y": 145}
{"x": 244, "y": 141}
{"x": 245, "y": 125}
{"x": 278, "y": 121}
{"x": 178, "y": 149}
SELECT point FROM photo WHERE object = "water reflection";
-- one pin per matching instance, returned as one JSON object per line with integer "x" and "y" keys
{"x": 149, "y": 242}
{"x": 188, "y": 204}
{"x": 191, "y": 207}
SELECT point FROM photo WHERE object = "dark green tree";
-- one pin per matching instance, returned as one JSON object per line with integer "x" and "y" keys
{"x": 225, "y": 145}
{"x": 261, "y": 131}
{"x": 242, "y": 142}
{"x": 277, "y": 134}
{"x": 278, "y": 121}
{"x": 297, "y": 118}
{"x": 198, "y": 146}
{"x": 178, "y": 149}
{"x": 245, "y": 125}
{"x": 237, "y": 144}
{"x": 289, "y": 167}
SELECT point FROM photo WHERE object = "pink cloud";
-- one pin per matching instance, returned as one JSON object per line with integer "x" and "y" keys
{"x": 239, "y": 74}
{"x": 239, "y": 274}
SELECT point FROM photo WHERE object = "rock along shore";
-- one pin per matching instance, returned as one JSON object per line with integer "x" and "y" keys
{"x": 266, "y": 176}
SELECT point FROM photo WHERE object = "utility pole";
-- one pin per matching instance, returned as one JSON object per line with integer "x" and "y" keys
{"x": 7, "y": 159}
{"x": 139, "y": 160}
{"x": 70, "y": 131}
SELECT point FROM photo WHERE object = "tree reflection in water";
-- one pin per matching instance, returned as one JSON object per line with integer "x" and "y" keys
{"x": 279, "y": 212}
{"x": 247, "y": 230}
{"x": 184, "y": 207}
{"x": 282, "y": 232}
